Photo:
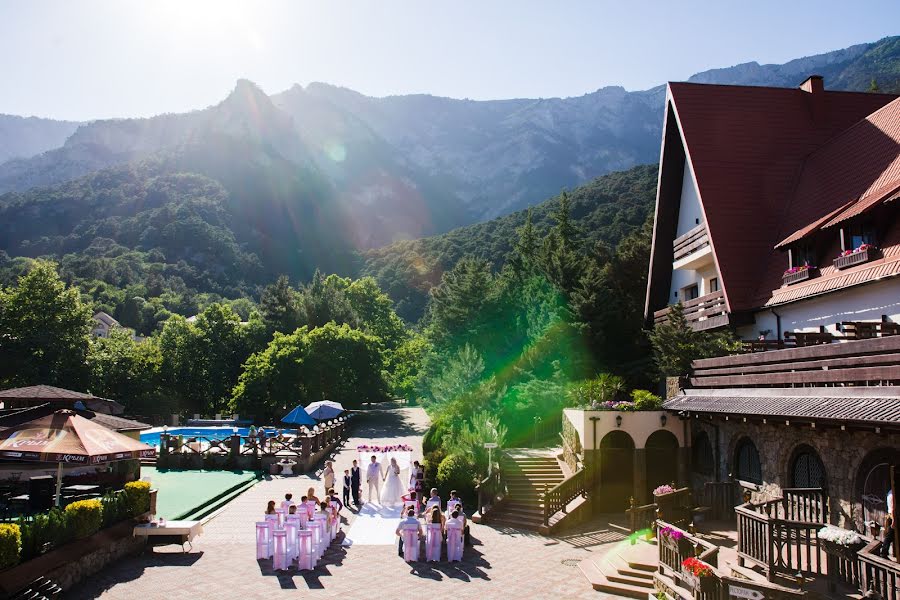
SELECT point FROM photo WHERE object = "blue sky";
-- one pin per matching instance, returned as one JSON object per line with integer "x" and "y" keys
{"x": 83, "y": 59}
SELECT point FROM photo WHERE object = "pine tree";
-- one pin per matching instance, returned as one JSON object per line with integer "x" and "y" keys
{"x": 526, "y": 246}
{"x": 873, "y": 86}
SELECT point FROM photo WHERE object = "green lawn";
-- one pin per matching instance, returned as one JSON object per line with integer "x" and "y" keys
{"x": 183, "y": 492}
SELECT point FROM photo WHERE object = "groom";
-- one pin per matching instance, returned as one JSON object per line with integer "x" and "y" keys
{"x": 373, "y": 478}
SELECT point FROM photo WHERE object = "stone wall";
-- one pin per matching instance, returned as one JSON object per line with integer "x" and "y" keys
{"x": 842, "y": 454}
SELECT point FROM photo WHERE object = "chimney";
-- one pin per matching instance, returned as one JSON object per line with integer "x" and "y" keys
{"x": 814, "y": 84}
{"x": 815, "y": 87}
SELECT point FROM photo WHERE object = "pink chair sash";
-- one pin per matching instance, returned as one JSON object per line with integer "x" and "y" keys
{"x": 433, "y": 539}
{"x": 263, "y": 540}
{"x": 318, "y": 531}
{"x": 280, "y": 556}
{"x": 306, "y": 559}
{"x": 291, "y": 528}
{"x": 454, "y": 540}
{"x": 410, "y": 535}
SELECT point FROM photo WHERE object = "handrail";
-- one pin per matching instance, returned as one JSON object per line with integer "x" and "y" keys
{"x": 878, "y": 574}
{"x": 491, "y": 490}
{"x": 641, "y": 517}
{"x": 558, "y": 497}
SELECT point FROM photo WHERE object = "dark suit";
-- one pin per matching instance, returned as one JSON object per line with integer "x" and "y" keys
{"x": 355, "y": 481}
{"x": 348, "y": 482}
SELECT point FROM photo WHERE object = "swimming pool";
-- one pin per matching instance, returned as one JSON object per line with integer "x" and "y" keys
{"x": 219, "y": 433}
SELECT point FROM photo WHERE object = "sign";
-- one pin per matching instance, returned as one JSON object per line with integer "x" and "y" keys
{"x": 741, "y": 592}
{"x": 490, "y": 445}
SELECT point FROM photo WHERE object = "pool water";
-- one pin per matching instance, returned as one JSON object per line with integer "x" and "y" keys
{"x": 219, "y": 433}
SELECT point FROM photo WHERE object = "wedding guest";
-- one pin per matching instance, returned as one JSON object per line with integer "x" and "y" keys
{"x": 355, "y": 482}
{"x": 311, "y": 495}
{"x": 292, "y": 509}
{"x": 270, "y": 508}
{"x": 434, "y": 535}
{"x": 287, "y": 501}
{"x": 328, "y": 475}
{"x": 411, "y": 501}
{"x": 454, "y": 537}
{"x": 409, "y": 531}
{"x": 433, "y": 500}
{"x": 348, "y": 483}
{"x": 333, "y": 500}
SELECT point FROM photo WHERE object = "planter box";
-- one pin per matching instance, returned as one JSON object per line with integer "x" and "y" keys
{"x": 797, "y": 277}
{"x": 856, "y": 258}
{"x": 845, "y": 552}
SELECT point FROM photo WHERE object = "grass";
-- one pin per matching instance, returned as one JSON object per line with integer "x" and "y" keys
{"x": 182, "y": 493}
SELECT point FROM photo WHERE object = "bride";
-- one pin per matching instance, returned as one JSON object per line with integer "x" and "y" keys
{"x": 393, "y": 490}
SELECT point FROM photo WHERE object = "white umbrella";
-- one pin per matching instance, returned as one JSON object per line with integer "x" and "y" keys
{"x": 324, "y": 410}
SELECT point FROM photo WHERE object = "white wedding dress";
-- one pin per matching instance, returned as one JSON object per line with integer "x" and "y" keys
{"x": 392, "y": 492}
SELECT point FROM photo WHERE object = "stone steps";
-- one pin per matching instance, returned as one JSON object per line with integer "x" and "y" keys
{"x": 624, "y": 571}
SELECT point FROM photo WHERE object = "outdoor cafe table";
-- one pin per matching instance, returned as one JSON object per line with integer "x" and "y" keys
{"x": 173, "y": 532}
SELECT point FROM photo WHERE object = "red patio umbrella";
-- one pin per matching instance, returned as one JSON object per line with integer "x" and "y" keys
{"x": 66, "y": 438}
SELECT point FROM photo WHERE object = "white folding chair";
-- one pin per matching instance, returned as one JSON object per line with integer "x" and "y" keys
{"x": 280, "y": 557}
{"x": 279, "y": 513}
{"x": 263, "y": 540}
{"x": 291, "y": 528}
{"x": 318, "y": 530}
{"x": 410, "y": 534}
{"x": 433, "y": 539}
{"x": 306, "y": 559}
{"x": 454, "y": 540}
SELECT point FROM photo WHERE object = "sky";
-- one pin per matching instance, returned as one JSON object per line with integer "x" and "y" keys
{"x": 87, "y": 59}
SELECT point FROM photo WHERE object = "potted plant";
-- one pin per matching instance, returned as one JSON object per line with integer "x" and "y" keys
{"x": 697, "y": 573}
{"x": 797, "y": 274}
{"x": 857, "y": 256}
{"x": 676, "y": 538}
{"x": 840, "y": 542}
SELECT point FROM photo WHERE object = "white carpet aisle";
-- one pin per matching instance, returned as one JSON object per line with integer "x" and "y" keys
{"x": 375, "y": 525}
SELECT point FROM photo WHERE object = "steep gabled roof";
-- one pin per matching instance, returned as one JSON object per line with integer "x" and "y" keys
{"x": 747, "y": 147}
{"x": 106, "y": 319}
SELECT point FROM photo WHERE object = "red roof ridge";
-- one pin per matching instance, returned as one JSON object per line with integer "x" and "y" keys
{"x": 781, "y": 88}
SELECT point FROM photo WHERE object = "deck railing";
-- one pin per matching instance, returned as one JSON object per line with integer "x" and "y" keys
{"x": 878, "y": 574}
{"x": 694, "y": 240}
{"x": 720, "y": 497}
{"x": 705, "y": 312}
{"x": 641, "y": 517}
{"x": 558, "y": 497}
{"x": 491, "y": 490}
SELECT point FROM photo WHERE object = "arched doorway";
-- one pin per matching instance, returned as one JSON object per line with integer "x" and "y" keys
{"x": 873, "y": 482}
{"x": 616, "y": 471}
{"x": 662, "y": 459}
{"x": 702, "y": 457}
{"x": 807, "y": 470}
{"x": 747, "y": 466}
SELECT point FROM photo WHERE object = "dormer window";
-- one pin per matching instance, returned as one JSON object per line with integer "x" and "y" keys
{"x": 801, "y": 255}
{"x": 857, "y": 234}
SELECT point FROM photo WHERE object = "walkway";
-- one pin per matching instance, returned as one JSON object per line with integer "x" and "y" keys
{"x": 504, "y": 562}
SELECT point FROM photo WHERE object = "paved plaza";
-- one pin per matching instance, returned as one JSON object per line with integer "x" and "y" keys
{"x": 503, "y": 563}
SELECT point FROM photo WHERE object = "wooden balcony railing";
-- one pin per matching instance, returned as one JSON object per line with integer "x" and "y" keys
{"x": 878, "y": 574}
{"x": 692, "y": 241}
{"x": 557, "y": 498}
{"x": 704, "y": 312}
{"x": 491, "y": 490}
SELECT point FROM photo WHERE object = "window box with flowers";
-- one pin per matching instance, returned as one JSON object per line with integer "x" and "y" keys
{"x": 840, "y": 542}
{"x": 675, "y": 539}
{"x": 862, "y": 254}
{"x": 698, "y": 574}
{"x": 798, "y": 274}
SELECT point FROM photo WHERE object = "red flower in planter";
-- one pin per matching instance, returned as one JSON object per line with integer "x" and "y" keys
{"x": 696, "y": 567}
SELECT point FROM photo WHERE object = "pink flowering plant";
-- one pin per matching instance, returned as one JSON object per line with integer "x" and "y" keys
{"x": 663, "y": 489}
{"x": 382, "y": 449}
{"x": 805, "y": 267}
{"x": 859, "y": 248}
{"x": 671, "y": 533}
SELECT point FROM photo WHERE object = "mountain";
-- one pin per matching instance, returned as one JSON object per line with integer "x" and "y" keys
{"x": 403, "y": 167}
{"x": 605, "y": 211}
{"x": 22, "y": 137}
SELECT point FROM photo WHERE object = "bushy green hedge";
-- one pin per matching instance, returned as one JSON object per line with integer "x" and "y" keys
{"x": 644, "y": 400}
{"x": 137, "y": 494}
{"x": 456, "y": 473}
{"x": 10, "y": 544}
{"x": 85, "y": 517}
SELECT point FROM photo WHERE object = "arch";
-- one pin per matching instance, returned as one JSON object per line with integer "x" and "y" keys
{"x": 616, "y": 471}
{"x": 662, "y": 458}
{"x": 747, "y": 466}
{"x": 806, "y": 468}
{"x": 873, "y": 483}
{"x": 702, "y": 456}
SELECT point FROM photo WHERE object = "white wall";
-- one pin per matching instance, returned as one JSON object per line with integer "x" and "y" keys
{"x": 862, "y": 303}
{"x": 689, "y": 210}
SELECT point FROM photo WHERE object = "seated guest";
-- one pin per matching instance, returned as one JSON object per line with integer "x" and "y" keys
{"x": 434, "y": 535}
{"x": 288, "y": 502}
{"x": 434, "y": 500}
{"x": 454, "y": 537}
{"x": 409, "y": 531}
{"x": 454, "y": 503}
{"x": 311, "y": 495}
{"x": 292, "y": 509}
{"x": 410, "y": 501}
{"x": 336, "y": 504}
{"x": 270, "y": 507}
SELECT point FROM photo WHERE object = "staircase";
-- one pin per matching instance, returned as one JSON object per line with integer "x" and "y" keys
{"x": 527, "y": 475}
{"x": 624, "y": 571}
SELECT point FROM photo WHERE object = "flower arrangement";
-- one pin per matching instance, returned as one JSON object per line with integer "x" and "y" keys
{"x": 671, "y": 533}
{"x": 859, "y": 248}
{"x": 842, "y": 537}
{"x": 805, "y": 267}
{"x": 383, "y": 449}
{"x": 623, "y": 405}
{"x": 696, "y": 567}
{"x": 663, "y": 489}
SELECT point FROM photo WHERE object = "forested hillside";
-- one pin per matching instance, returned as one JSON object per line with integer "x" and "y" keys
{"x": 605, "y": 210}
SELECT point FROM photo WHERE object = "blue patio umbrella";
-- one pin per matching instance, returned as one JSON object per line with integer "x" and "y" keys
{"x": 324, "y": 410}
{"x": 298, "y": 417}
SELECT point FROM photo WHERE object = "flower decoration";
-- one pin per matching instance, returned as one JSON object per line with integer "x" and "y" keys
{"x": 805, "y": 267}
{"x": 842, "y": 537}
{"x": 383, "y": 449}
{"x": 624, "y": 405}
{"x": 672, "y": 533}
{"x": 696, "y": 567}
{"x": 859, "y": 248}
{"x": 663, "y": 489}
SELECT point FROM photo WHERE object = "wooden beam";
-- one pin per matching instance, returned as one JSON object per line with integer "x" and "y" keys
{"x": 824, "y": 351}
{"x": 862, "y": 374}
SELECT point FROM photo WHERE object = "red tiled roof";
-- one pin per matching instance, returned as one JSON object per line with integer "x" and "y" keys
{"x": 747, "y": 146}
{"x": 880, "y": 196}
{"x": 814, "y": 226}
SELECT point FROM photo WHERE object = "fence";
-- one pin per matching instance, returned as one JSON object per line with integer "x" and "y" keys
{"x": 557, "y": 498}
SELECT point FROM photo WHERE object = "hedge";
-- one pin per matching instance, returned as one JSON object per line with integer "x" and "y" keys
{"x": 456, "y": 473}
{"x": 85, "y": 517}
{"x": 137, "y": 494}
{"x": 10, "y": 544}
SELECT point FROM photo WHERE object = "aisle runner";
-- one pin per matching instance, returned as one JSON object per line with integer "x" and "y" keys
{"x": 375, "y": 525}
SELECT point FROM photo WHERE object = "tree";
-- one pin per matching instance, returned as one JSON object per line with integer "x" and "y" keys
{"x": 375, "y": 312}
{"x": 458, "y": 305}
{"x": 129, "y": 372}
{"x": 325, "y": 301}
{"x": 281, "y": 307}
{"x": 676, "y": 344}
{"x": 44, "y": 330}
{"x": 873, "y": 86}
{"x": 525, "y": 249}
{"x": 271, "y": 383}
{"x": 344, "y": 365}
{"x": 405, "y": 364}
{"x": 459, "y": 374}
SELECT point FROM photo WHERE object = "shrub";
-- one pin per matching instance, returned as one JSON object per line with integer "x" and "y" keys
{"x": 434, "y": 437}
{"x": 644, "y": 400}
{"x": 432, "y": 461}
{"x": 456, "y": 473}
{"x": 115, "y": 508}
{"x": 10, "y": 544}
{"x": 85, "y": 517}
{"x": 137, "y": 497}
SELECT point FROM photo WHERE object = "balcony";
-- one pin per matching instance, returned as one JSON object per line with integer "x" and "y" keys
{"x": 705, "y": 312}
{"x": 856, "y": 258}
{"x": 692, "y": 250}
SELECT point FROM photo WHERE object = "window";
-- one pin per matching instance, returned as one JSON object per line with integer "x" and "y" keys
{"x": 691, "y": 292}
{"x": 702, "y": 457}
{"x": 746, "y": 462}
{"x": 714, "y": 284}
{"x": 859, "y": 234}
{"x": 807, "y": 470}
{"x": 802, "y": 254}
